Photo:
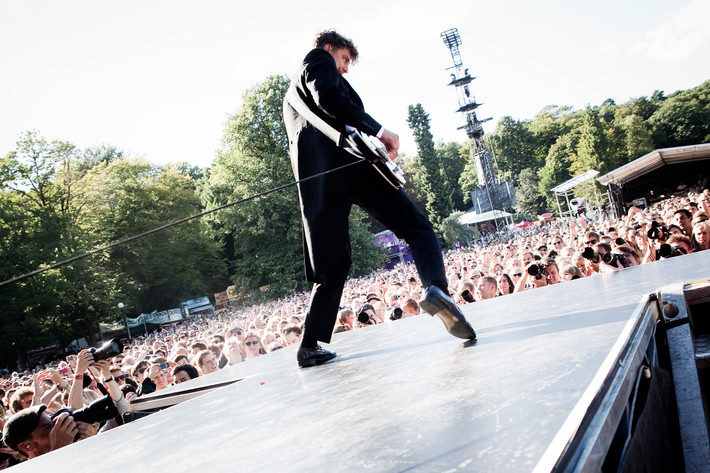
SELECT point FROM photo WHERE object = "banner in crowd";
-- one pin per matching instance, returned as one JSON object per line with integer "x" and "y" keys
{"x": 155, "y": 317}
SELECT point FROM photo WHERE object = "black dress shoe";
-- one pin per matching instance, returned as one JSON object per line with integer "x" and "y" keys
{"x": 437, "y": 302}
{"x": 313, "y": 356}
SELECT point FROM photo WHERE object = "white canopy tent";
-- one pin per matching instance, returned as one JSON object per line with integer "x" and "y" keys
{"x": 470, "y": 218}
{"x": 566, "y": 187}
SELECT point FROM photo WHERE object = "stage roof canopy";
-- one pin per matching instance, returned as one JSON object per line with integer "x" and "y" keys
{"x": 654, "y": 160}
{"x": 574, "y": 182}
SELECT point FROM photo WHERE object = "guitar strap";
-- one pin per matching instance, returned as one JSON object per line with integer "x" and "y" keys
{"x": 351, "y": 141}
{"x": 321, "y": 125}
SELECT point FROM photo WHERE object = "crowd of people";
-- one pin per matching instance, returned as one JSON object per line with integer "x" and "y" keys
{"x": 34, "y": 414}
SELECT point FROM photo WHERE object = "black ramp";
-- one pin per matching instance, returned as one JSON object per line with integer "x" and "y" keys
{"x": 404, "y": 396}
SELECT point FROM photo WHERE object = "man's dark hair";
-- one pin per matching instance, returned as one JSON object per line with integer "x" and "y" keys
{"x": 337, "y": 40}
{"x": 547, "y": 262}
{"x": 142, "y": 364}
{"x": 189, "y": 369}
{"x": 684, "y": 211}
{"x": 604, "y": 246}
{"x": 200, "y": 345}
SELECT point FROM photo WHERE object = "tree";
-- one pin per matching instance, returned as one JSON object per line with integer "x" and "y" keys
{"x": 438, "y": 194}
{"x": 366, "y": 255}
{"x": 629, "y": 137}
{"x": 683, "y": 118}
{"x": 454, "y": 231}
{"x": 592, "y": 145}
{"x": 157, "y": 272}
{"x": 547, "y": 126}
{"x": 414, "y": 188}
{"x": 557, "y": 166}
{"x": 529, "y": 199}
{"x": 38, "y": 220}
{"x": 513, "y": 145}
{"x": 262, "y": 236}
{"x": 453, "y": 161}
{"x": 469, "y": 176}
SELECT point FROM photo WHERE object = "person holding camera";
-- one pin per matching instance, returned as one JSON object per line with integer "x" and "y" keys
{"x": 533, "y": 277}
{"x": 32, "y": 432}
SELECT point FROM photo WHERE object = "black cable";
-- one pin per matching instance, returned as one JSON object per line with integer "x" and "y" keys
{"x": 177, "y": 222}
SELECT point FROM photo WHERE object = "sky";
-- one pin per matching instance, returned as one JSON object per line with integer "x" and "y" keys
{"x": 158, "y": 79}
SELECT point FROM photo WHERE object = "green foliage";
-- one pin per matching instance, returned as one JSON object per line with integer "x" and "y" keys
{"x": 263, "y": 236}
{"x": 57, "y": 202}
{"x": 453, "y": 161}
{"x": 434, "y": 183}
{"x": 414, "y": 186}
{"x": 366, "y": 255}
{"x": 683, "y": 118}
{"x": 126, "y": 198}
{"x": 557, "y": 167}
{"x": 548, "y": 125}
{"x": 514, "y": 146}
{"x": 454, "y": 231}
{"x": 592, "y": 145}
{"x": 529, "y": 199}
{"x": 469, "y": 176}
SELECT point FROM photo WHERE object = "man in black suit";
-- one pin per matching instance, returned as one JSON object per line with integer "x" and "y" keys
{"x": 326, "y": 200}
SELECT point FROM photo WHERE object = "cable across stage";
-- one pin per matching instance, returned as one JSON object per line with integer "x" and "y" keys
{"x": 169, "y": 225}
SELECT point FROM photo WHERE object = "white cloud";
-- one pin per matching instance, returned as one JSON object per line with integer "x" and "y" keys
{"x": 684, "y": 34}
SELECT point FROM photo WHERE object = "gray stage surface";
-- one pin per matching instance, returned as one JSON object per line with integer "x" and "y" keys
{"x": 403, "y": 396}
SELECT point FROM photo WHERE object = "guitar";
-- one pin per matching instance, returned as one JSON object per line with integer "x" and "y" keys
{"x": 355, "y": 142}
{"x": 370, "y": 149}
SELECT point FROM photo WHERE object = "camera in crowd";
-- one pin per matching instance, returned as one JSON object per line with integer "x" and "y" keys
{"x": 396, "y": 313}
{"x": 658, "y": 232}
{"x": 467, "y": 296}
{"x": 536, "y": 270}
{"x": 100, "y": 410}
{"x": 108, "y": 350}
{"x": 615, "y": 259}
{"x": 612, "y": 259}
{"x": 668, "y": 251}
{"x": 364, "y": 317}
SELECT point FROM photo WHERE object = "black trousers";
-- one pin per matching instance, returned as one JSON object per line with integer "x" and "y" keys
{"x": 363, "y": 186}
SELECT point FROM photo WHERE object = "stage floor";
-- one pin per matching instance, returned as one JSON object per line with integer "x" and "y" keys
{"x": 402, "y": 396}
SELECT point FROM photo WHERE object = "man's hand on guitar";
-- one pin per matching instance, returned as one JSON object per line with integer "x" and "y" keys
{"x": 391, "y": 142}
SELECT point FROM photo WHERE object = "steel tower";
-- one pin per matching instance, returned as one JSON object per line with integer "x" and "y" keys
{"x": 492, "y": 195}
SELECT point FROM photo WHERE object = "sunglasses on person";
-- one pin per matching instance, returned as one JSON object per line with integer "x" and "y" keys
{"x": 590, "y": 242}
{"x": 255, "y": 342}
{"x": 518, "y": 275}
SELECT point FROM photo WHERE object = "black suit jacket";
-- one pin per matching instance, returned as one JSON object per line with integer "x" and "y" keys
{"x": 330, "y": 96}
